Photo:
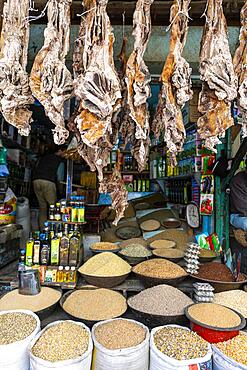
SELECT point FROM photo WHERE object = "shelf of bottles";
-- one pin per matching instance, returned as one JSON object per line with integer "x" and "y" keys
{"x": 134, "y": 180}
{"x": 57, "y": 252}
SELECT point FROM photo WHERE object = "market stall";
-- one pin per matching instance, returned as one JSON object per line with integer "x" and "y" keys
{"x": 117, "y": 157}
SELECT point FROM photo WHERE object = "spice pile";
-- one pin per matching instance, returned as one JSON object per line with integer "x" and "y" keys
{"x": 135, "y": 250}
{"x": 235, "y": 299}
{"x": 104, "y": 246}
{"x": 168, "y": 253}
{"x": 162, "y": 244}
{"x": 180, "y": 237}
{"x": 214, "y": 315}
{"x": 159, "y": 268}
{"x": 95, "y": 304}
{"x": 163, "y": 300}
{"x": 119, "y": 334}
{"x": 235, "y": 348}
{"x": 126, "y": 243}
{"x": 180, "y": 344}
{"x": 217, "y": 272}
{"x": 64, "y": 341}
{"x": 105, "y": 264}
{"x": 207, "y": 253}
{"x": 150, "y": 225}
{"x": 16, "y": 326}
{"x": 14, "y": 300}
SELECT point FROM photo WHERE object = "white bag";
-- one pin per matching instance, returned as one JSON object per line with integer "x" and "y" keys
{"x": 15, "y": 356}
{"x": 134, "y": 358}
{"x": 222, "y": 362}
{"x": 81, "y": 363}
{"x": 159, "y": 361}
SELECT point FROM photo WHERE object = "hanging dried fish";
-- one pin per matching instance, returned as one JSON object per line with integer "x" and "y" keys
{"x": 114, "y": 185}
{"x": 176, "y": 84}
{"x": 240, "y": 67}
{"x": 15, "y": 93}
{"x": 138, "y": 80}
{"x": 50, "y": 80}
{"x": 219, "y": 82}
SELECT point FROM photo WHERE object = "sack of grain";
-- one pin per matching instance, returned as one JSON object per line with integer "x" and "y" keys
{"x": 14, "y": 353}
{"x": 236, "y": 348}
{"x": 60, "y": 344}
{"x": 161, "y": 361}
{"x": 132, "y": 357}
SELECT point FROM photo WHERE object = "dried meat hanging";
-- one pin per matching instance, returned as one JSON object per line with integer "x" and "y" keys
{"x": 50, "y": 80}
{"x": 176, "y": 84}
{"x": 115, "y": 186}
{"x": 97, "y": 87}
{"x": 138, "y": 79}
{"x": 15, "y": 94}
{"x": 219, "y": 82}
{"x": 240, "y": 67}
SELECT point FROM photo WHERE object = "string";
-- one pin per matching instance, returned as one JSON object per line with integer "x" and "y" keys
{"x": 87, "y": 11}
{"x": 123, "y": 15}
{"x": 31, "y": 6}
{"x": 34, "y": 18}
{"x": 180, "y": 12}
{"x": 204, "y": 14}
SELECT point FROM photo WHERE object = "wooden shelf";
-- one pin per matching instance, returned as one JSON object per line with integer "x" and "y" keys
{"x": 61, "y": 285}
{"x": 176, "y": 177}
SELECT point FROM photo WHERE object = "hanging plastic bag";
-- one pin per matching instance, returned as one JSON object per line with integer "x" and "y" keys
{"x": 134, "y": 358}
{"x": 81, "y": 363}
{"x": 222, "y": 362}
{"x": 159, "y": 361}
{"x": 15, "y": 356}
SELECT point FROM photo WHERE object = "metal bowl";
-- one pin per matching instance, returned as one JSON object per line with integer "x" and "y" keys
{"x": 128, "y": 232}
{"x": 171, "y": 223}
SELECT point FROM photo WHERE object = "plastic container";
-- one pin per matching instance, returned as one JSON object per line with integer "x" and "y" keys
{"x": 134, "y": 358}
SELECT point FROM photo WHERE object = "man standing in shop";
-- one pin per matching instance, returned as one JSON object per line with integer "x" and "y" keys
{"x": 238, "y": 200}
{"x": 48, "y": 172}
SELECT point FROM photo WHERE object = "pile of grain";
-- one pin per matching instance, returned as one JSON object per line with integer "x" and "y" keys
{"x": 64, "y": 341}
{"x": 162, "y": 244}
{"x": 235, "y": 348}
{"x": 46, "y": 298}
{"x": 180, "y": 237}
{"x": 168, "y": 253}
{"x": 235, "y": 299}
{"x": 217, "y": 272}
{"x": 180, "y": 344}
{"x": 119, "y": 334}
{"x": 95, "y": 304}
{"x": 105, "y": 264}
{"x": 16, "y": 326}
{"x": 150, "y": 225}
{"x": 104, "y": 246}
{"x": 159, "y": 268}
{"x": 214, "y": 315}
{"x": 135, "y": 250}
{"x": 207, "y": 253}
{"x": 163, "y": 300}
{"x": 126, "y": 243}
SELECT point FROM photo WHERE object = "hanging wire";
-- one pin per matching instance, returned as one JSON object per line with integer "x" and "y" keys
{"x": 32, "y": 6}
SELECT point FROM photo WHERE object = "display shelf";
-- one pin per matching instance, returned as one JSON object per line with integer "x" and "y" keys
{"x": 176, "y": 177}
{"x": 129, "y": 172}
{"x": 61, "y": 285}
{"x": 66, "y": 222}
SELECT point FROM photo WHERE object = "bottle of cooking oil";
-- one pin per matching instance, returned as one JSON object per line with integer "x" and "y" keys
{"x": 55, "y": 244}
{"x": 74, "y": 247}
{"x": 60, "y": 274}
{"x": 64, "y": 247}
{"x": 66, "y": 275}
